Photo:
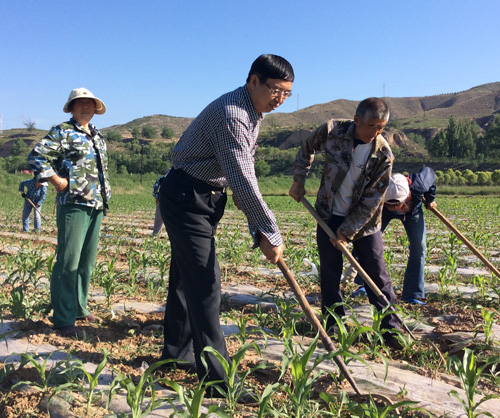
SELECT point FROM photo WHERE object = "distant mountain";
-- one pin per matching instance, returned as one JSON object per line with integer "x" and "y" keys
{"x": 423, "y": 116}
{"x": 481, "y": 103}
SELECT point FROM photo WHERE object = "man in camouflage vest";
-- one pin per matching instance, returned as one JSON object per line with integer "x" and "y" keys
{"x": 356, "y": 174}
{"x": 73, "y": 158}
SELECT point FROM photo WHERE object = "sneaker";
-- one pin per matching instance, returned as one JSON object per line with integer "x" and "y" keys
{"x": 359, "y": 292}
{"x": 70, "y": 331}
{"x": 413, "y": 301}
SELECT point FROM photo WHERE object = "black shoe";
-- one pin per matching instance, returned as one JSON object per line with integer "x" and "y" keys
{"x": 188, "y": 366}
{"x": 70, "y": 331}
{"x": 391, "y": 341}
{"x": 248, "y": 397}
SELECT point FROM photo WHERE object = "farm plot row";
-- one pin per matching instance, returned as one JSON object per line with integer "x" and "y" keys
{"x": 133, "y": 265}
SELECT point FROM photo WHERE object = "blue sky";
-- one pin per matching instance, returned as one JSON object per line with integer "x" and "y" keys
{"x": 174, "y": 57}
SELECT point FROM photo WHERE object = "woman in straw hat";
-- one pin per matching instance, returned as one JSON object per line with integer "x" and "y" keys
{"x": 73, "y": 158}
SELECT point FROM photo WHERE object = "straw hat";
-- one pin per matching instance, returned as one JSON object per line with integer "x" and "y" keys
{"x": 83, "y": 93}
{"x": 398, "y": 189}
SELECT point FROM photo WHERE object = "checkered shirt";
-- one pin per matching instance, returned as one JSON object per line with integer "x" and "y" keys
{"x": 219, "y": 147}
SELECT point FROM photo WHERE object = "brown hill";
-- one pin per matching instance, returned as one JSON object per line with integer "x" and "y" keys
{"x": 428, "y": 112}
{"x": 424, "y": 116}
{"x": 177, "y": 124}
{"x": 480, "y": 103}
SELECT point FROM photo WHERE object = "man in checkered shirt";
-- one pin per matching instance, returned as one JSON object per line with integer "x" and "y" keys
{"x": 216, "y": 151}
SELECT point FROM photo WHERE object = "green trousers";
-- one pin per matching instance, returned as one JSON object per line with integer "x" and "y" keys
{"x": 77, "y": 238}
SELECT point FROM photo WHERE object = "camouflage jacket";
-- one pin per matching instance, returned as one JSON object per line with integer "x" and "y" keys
{"x": 70, "y": 152}
{"x": 336, "y": 140}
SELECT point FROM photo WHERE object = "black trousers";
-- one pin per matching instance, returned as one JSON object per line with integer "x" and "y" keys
{"x": 370, "y": 254}
{"x": 191, "y": 210}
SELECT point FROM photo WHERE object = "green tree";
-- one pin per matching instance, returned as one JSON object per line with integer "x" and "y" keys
{"x": 438, "y": 146}
{"x": 136, "y": 132}
{"x": 149, "y": 131}
{"x": 451, "y": 177}
{"x": 468, "y": 139}
{"x": 489, "y": 144}
{"x": 167, "y": 132}
{"x": 122, "y": 169}
{"x": 113, "y": 136}
{"x": 495, "y": 177}
{"x": 483, "y": 178}
{"x": 19, "y": 147}
{"x": 262, "y": 168}
{"x": 462, "y": 136}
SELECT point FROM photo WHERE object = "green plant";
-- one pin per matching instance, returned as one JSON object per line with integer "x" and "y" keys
{"x": 347, "y": 336}
{"x": 488, "y": 322}
{"x": 234, "y": 388}
{"x": 372, "y": 410}
{"x": 92, "y": 378}
{"x": 303, "y": 377}
{"x": 136, "y": 394}
{"x": 469, "y": 374}
{"x": 46, "y": 376}
{"x": 241, "y": 322}
{"x": 192, "y": 401}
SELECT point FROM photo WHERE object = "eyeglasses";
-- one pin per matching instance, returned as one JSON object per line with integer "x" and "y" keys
{"x": 278, "y": 92}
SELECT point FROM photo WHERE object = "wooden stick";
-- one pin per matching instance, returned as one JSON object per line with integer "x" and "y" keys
{"x": 465, "y": 241}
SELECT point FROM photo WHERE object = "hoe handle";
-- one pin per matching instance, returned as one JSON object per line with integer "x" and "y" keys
{"x": 465, "y": 241}
{"x": 34, "y": 206}
{"x": 314, "y": 321}
{"x": 367, "y": 279}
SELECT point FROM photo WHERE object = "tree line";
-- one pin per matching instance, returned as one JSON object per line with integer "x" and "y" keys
{"x": 463, "y": 140}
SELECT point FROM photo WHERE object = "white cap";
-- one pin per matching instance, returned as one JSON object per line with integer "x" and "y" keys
{"x": 83, "y": 93}
{"x": 398, "y": 189}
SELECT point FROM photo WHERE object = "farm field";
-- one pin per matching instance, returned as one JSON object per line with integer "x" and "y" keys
{"x": 132, "y": 269}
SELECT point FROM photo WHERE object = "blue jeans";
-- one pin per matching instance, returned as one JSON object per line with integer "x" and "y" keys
{"x": 414, "y": 224}
{"x": 26, "y": 217}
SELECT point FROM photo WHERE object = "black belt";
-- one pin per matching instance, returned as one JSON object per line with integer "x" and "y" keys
{"x": 200, "y": 184}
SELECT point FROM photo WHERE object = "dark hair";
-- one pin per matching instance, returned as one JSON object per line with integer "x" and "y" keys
{"x": 70, "y": 106}
{"x": 271, "y": 66}
{"x": 372, "y": 108}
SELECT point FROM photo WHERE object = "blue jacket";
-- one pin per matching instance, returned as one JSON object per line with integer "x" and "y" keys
{"x": 423, "y": 186}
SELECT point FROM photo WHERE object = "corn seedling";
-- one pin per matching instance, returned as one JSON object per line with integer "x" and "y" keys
{"x": 91, "y": 378}
{"x": 489, "y": 321}
{"x": 241, "y": 323}
{"x": 136, "y": 394}
{"x": 234, "y": 388}
{"x": 192, "y": 401}
{"x": 469, "y": 374}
